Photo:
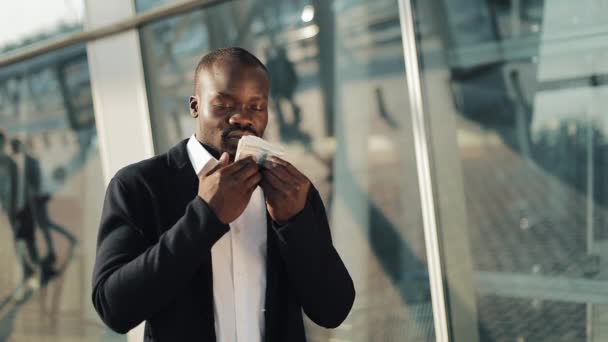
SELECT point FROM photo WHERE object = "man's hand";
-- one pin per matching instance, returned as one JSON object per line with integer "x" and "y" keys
{"x": 285, "y": 189}
{"x": 227, "y": 188}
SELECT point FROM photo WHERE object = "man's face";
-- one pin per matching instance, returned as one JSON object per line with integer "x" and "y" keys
{"x": 231, "y": 101}
{"x": 16, "y": 146}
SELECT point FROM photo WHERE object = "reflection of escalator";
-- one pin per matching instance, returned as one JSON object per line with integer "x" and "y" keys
{"x": 494, "y": 97}
{"x": 497, "y": 95}
{"x": 483, "y": 87}
{"x": 481, "y": 95}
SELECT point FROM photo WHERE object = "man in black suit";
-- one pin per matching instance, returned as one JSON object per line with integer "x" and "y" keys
{"x": 205, "y": 248}
{"x": 27, "y": 183}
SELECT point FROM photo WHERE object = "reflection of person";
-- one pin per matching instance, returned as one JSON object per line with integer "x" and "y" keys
{"x": 8, "y": 177}
{"x": 27, "y": 183}
{"x": 216, "y": 257}
{"x": 41, "y": 198}
{"x": 284, "y": 82}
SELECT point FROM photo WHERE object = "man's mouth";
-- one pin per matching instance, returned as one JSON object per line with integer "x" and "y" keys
{"x": 236, "y": 135}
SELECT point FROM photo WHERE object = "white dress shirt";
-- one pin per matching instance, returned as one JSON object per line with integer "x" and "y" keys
{"x": 238, "y": 265}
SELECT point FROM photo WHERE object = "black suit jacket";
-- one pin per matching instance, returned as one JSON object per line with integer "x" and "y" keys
{"x": 154, "y": 259}
{"x": 8, "y": 186}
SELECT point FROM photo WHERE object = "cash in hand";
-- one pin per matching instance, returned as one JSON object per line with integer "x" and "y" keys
{"x": 259, "y": 148}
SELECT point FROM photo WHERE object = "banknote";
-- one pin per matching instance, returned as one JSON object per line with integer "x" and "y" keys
{"x": 259, "y": 148}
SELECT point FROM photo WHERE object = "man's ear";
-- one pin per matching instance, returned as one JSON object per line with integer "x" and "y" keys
{"x": 194, "y": 106}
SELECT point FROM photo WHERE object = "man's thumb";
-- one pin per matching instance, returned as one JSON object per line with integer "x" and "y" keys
{"x": 224, "y": 159}
{"x": 212, "y": 167}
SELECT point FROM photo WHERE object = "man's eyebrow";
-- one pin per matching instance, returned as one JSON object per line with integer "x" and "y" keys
{"x": 222, "y": 94}
{"x": 230, "y": 96}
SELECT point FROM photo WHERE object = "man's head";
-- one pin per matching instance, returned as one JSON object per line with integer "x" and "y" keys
{"x": 16, "y": 146}
{"x": 230, "y": 98}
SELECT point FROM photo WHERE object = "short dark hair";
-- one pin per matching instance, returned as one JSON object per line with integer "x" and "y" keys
{"x": 240, "y": 55}
{"x": 16, "y": 145}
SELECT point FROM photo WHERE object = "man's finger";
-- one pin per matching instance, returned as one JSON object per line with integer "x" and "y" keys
{"x": 245, "y": 172}
{"x": 269, "y": 190}
{"x": 290, "y": 168}
{"x": 276, "y": 182}
{"x": 253, "y": 181}
{"x": 279, "y": 171}
{"x": 239, "y": 164}
{"x": 224, "y": 159}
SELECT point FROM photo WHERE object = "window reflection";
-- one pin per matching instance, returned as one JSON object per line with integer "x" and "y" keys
{"x": 520, "y": 83}
{"x": 50, "y": 198}
{"x": 339, "y": 109}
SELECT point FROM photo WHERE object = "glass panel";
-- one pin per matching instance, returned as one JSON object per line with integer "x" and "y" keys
{"x": 520, "y": 86}
{"x": 339, "y": 108}
{"x": 28, "y": 22}
{"x": 51, "y": 193}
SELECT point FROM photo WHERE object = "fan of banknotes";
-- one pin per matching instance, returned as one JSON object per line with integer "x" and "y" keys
{"x": 259, "y": 148}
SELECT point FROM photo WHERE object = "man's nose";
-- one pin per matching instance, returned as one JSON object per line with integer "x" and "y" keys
{"x": 241, "y": 117}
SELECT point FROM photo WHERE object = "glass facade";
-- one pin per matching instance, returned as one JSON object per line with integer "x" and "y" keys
{"x": 337, "y": 106}
{"x": 50, "y": 193}
{"x": 514, "y": 93}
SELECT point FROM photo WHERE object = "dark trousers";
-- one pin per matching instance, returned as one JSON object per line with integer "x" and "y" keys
{"x": 24, "y": 229}
{"x": 45, "y": 223}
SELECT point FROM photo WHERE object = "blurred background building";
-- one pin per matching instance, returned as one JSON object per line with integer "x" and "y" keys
{"x": 459, "y": 146}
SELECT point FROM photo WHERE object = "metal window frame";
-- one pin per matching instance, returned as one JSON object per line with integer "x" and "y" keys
{"x": 423, "y": 165}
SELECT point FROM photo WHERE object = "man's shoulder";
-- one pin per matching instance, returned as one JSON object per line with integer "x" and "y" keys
{"x": 155, "y": 171}
{"x": 6, "y": 160}
{"x": 145, "y": 170}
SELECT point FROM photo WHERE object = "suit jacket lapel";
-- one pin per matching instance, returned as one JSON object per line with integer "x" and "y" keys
{"x": 184, "y": 184}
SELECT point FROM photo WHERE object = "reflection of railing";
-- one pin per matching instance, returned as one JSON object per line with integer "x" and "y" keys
{"x": 535, "y": 287}
{"x": 169, "y": 9}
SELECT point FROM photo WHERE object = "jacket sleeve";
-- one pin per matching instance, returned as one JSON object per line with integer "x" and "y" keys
{"x": 315, "y": 270}
{"x": 133, "y": 279}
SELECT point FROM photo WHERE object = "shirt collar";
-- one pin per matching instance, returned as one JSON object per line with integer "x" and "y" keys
{"x": 200, "y": 158}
